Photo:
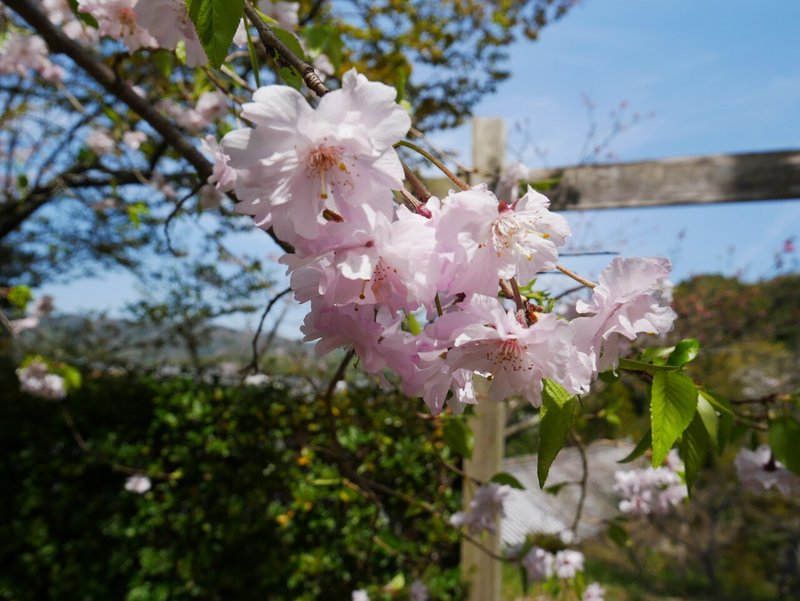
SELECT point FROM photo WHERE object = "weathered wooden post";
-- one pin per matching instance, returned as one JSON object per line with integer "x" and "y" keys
{"x": 481, "y": 571}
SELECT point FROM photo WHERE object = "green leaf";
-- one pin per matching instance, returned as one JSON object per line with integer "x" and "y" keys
{"x": 458, "y": 436}
{"x": 72, "y": 377}
{"x": 693, "y": 449}
{"x": 725, "y": 420}
{"x": 639, "y": 449}
{"x": 632, "y": 365}
{"x": 507, "y": 479}
{"x": 19, "y": 296}
{"x": 673, "y": 403}
{"x": 558, "y": 408}
{"x": 288, "y": 73}
{"x": 215, "y": 23}
{"x": 619, "y": 535}
{"x": 685, "y": 351}
{"x": 396, "y": 584}
{"x": 784, "y": 440}
{"x": 709, "y": 417}
{"x": 325, "y": 39}
{"x": 86, "y": 18}
{"x": 657, "y": 354}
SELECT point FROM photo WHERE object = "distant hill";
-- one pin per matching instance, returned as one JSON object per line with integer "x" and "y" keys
{"x": 100, "y": 339}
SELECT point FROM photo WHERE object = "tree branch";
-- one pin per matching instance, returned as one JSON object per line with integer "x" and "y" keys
{"x": 270, "y": 40}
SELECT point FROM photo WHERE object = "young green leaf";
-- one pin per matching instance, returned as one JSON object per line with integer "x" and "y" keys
{"x": 632, "y": 365}
{"x": 693, "y": 449}
{"x": 685, "y": 351}
{"x": 215, "y": 23}
{"x": 459, "y": 437}
{"x": 673, "y": 403}
{"x": 507, "y": 479}
{"x": 639, "y": 449}
{"x": 709, "y": 417}
{"x": 558, "y": 408}
{"x": 784, "y": 439}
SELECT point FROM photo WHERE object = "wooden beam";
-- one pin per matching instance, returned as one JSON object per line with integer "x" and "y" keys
{"x": 675, "y": 181}
{"x": 694, "y": 180}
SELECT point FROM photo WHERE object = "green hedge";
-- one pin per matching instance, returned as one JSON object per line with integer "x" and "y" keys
{"x": 257, "y": 510}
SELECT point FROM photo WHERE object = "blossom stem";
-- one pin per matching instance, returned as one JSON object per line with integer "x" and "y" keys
{"x": 516, "y": 294}
{"x": 453, "y": 177}
{"x": 575, "y": 276}
{"x": 438, "y": 305}
{"x": 419, "y": 188}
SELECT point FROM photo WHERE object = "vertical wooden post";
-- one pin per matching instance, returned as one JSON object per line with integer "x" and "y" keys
{"x": 482, "y": 572}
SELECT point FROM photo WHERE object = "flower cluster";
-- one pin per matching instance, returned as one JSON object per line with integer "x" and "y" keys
{"x": 759, "y": 471}
{"x": 484, "y": 509}
{"x": 540, "y": 564}
{"x": 322, "y": 179}
{"x": 651, "y": 490}
{"x": 37, "y": 380}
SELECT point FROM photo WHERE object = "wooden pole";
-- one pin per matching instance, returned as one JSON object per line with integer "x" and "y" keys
{"x": 482, "y": 572}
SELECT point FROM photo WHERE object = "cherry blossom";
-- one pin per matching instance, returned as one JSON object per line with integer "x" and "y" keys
{"x": 360, "y": 595}
{"x": 594, "y": 592}
{"x": 627, "y": 302}
{"x": 20, "y": 54}
{"x": 285, "y": 13}
{"x": 299, "y": 161}
{"x": 418, "y": 592}
{"x": 538, "y": 564}
{"x": 487, "y": 239}
{"x": 759, "y": 471}
{"x": 117, "y": 19}
{"x": 567, "y": 563}
{"x": 138, "y": 484}
{"x": 651, "y": 490}
{"x": 484, "y": 509}
{"x": 100, "y": 141}
{"x": 489, "y": 339}
{"x": 169, "y": 23}
{"x": 37, "y": 380}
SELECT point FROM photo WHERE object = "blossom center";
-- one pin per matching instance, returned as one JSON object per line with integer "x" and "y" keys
{"x": 323, "y": 158}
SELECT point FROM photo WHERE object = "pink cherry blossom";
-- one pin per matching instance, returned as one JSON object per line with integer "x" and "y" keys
{"x": 37, "y": 380}
{"x": 627, "y": 302}
{"x": 594, "y": 592}
{"x": 20, "y": 54}
{"x": 117, "y": 19}
{"x": 650, "y": 490}
{"x": 138, "y": 484}
{"x": 285, "y": 13}
{"x": 169, "y": 23}
{"x": 488, "y": 240}
{"x": 134, "y": 139}
{"x": 568, "y": 563}
{"x": 489, "y": 339}
{"x": 759, "y": 471}
{"x": 484, "y": 509}
{"x": 337, "y": 156}
{"x": 538, "y": 564}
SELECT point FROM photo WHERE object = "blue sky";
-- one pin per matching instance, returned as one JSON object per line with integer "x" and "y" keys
{"x": 719, "y": 76}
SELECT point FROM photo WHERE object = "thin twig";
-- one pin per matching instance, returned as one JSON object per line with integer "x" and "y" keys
{"x": 254, "y": 363}
{"x": 575, "y": 276}
{"x": 453, "y": 177}
{"x": 583, "y": 482}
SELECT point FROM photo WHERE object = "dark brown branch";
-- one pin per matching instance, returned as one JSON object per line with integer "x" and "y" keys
{"x": 254, "y": 363}
{"x": 105, "y": 76}
{"x": 270, "y": 40}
